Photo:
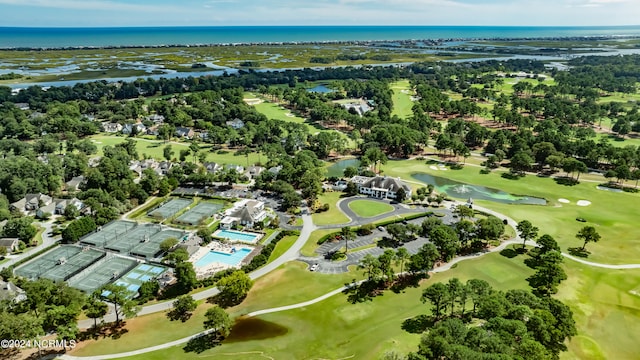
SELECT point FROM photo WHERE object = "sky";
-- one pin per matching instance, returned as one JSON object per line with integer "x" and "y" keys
{"x": 100, "y": 13}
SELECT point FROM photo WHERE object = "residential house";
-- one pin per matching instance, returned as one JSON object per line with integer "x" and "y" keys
{"x": 32, "y": 202}
{"x": 153, "y": 130}
{"x": 238, "y": 168}
{"x": 94, "y": 161}
{"x": 360, "y": 106}
{"x": 380, "y": 187}
{"x": 236, "y": 123}
{"x": 74, "y": 183}
{"x": 164, "y": 167}
{"x": 57, "y": 207}
{"x": 129, "y": 128}
{"x": 246, "y": 212}
{"x": 22, "y": 106}
{"x": 253, "y": 171}
{"x": 112, "y": 127}
{"x": 11, "y": 244}
{"x": 9, "y": 291}
{"x": 138, "y": 166}
{"x": 185, "y": 132}
{"x": 275, "y": 170}
{"x": 155, "y": 118}
{"x": 212, "y": 167}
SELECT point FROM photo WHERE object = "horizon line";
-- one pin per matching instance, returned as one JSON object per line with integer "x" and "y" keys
{"x": 311, "y": 26}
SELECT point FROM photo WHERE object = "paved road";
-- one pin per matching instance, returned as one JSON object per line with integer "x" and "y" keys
{"x": 355, "y": 220}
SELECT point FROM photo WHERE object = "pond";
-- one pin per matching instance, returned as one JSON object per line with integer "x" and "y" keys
{"x": 250, "y": 328}
{"x": 337, "y": 169}
{"x": 321, "y": 88}
{"x": 461, "y": 190}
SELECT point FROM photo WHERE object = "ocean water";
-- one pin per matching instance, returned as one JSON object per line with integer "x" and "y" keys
{"x": 12, "y": 37}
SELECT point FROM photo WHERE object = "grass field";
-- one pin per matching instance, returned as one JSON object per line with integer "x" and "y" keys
{"x": 154, "y": 148}
{"x": 368, "y": 208}
{"x": 275, "y": 111}
{"x": 402, "y": 103}
{"x": 282, "y": 246}
{"x": 606, "y": 307}
{"x": 613, "y": 214}
{"x": 333, "y": 215}
{"x": 311, "y": 245}
{"x": 357, "y": 337}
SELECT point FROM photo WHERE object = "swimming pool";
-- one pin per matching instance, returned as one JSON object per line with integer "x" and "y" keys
{"x": 225, "y": 258}
{"x": 246, "y": 237}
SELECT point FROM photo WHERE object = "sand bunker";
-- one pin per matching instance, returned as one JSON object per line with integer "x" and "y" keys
{"x": 583, "y": 203}
{"x": 289, "y": 114}
{"x": 432, "y": 167}
{"x": 564, "y": 201}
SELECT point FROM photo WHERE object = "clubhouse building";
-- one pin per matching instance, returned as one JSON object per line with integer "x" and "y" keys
{"x": 380, "y": 187}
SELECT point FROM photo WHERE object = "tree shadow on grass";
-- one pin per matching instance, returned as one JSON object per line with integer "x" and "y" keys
{"x": 204, "y": 342}
{"x": 566, "y": 181}
{"x": 511, "y": 176}
{"x": 579, "y": 252}
{"x": 405, "y": 281}
{"x": 363, "y": 292}
{"x": 174, "y": 315}
{"x": 418, "y": 324}
{"x": 225, "y": 301}
{"x": 509, "y": 253}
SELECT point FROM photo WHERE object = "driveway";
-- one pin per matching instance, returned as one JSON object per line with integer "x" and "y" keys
{"x": 47, "y": 240}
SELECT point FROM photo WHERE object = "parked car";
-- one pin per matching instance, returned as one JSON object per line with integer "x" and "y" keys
{"x": 380, "y": 228}
{"x": 314, "y": 267}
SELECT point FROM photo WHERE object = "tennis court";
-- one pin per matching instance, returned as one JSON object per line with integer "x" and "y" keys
{"x": 199, "y": 212}
{"x": 141, "y": 274}
{"x": 66, "y": 268}
{"x": 151, "y": 248}
{"x": 40, "y": 265}
{"x": 170, "y": 208}
{"x": 105, "y": 272}
{"x": 108, "y": 233}
{"x": 123, "y": 243}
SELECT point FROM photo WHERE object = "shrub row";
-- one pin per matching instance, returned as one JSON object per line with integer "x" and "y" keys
{"x": 262, "y": 258}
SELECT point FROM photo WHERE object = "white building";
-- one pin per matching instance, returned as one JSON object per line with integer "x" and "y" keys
{"x": 246, "y": 212}
{"x": 380, "y": 187}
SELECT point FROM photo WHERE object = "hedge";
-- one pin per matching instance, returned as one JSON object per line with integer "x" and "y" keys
{"x": 262, "y": 258}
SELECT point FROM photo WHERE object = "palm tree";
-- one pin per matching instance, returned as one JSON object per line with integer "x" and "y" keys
{"x": 402, "y": 255}
{"x": 347, "y": 234}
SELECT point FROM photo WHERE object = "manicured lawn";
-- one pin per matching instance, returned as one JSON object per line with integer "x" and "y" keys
{"x": 333, "y": 215}
{"x": 154, "y": 148}
{"x": 613, "y": 214}
{"x": 606, "y": 307}
{"x": 402, "y": 103}
{"x": 290, "y": 284}
{"x": 365, "y": 330}
{"x": 368, "y": 208}
{"x": 282, "y": 246}
{"x": 311, "y": 245}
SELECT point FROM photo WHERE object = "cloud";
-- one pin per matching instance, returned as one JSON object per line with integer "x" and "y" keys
{"x": 88, "y": 5}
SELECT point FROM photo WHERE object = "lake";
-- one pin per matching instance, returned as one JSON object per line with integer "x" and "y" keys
{"x": 461, "y": 190}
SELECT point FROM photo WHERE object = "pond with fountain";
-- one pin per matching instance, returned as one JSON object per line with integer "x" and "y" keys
{"x": 461, "y": 190}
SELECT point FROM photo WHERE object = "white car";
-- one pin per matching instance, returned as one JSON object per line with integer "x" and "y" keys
{"x": 314, "y": 267}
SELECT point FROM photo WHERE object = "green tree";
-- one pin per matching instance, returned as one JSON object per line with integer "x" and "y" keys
{"x": 401, "y": 257}
{"x": 521, "y": 162}
{"x": 71, "y": 212}
{"x": 168, "y": 152}
{"x": 588, "y": 234}
{"x": 401, "y": 195}
{"x": 464, "y": 211}
{"x": 20, "y": 228}
{"x": 168, "y": 243}
{"x": 234, "y": 287}
{"x": 490, "y": 228}
{"x": 347, "y": 233}
{"x": 183, "y": 307}
{"x": 438, "y": 295}
{"x": 218, "y": 320}
{"x": 185, "y": 276}
{"x": 121, "y": 298}
{"x": 477, "y": 289}
{"x": 527, "y": 231}
{"x": 350, "y": 171}
{"x": 547, "y": 244}
{"x": 95, "y": 308}
{"x": 371, "y": 266}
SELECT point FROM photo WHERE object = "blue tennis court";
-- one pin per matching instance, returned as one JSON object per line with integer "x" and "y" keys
{"x": 139, "y": 275}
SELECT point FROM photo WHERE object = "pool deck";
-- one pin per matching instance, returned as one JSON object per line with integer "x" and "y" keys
{"x": 258, "y": 236}
{"x": 214, "y": 267}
